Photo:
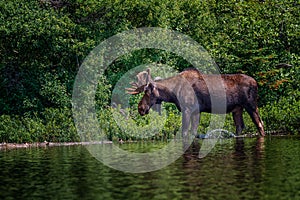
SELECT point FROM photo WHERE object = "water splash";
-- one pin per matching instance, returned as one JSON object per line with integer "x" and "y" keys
{"x": 217, "y": 134}
{"x": 210, "y": 139}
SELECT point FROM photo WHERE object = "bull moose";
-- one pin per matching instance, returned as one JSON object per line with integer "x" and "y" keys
{"x": 190, "y": 93}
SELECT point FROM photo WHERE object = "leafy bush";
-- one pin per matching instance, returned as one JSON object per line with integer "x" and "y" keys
{"x": 44, "y": 42}
{"x": 283, "y": 115}
{"x": 53, "y": 125}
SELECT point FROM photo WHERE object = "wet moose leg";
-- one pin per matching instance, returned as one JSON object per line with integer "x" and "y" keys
{"x": 238, "y": 120}
{"x": 195, "y": 123}
{"x": 254, "y": 114}
{"x": 186, "y": 119}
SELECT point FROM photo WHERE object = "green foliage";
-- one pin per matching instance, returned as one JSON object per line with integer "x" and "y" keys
{"x": 53, "y": 125}
{"x": 12, "y": 130}
{"x": 283, "y": 115}
{"x": 44, "y": 42}
{"x": 172, "y": 125}
{"x": 126, "y": 124}
{"x": 59, "y": 125}
{"x": 103, "y": 94}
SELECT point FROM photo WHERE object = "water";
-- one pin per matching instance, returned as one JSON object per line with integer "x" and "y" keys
{"x": 235, "y": 169}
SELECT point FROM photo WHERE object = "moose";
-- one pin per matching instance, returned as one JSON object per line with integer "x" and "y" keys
{"x": 190, "y": 92}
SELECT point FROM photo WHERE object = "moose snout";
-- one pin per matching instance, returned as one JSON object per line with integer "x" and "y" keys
{"x": 143, "y": 110}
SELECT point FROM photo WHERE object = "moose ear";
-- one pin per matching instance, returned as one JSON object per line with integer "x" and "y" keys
{"x": 155, "y": 92}
{"x": 151, "y": 88}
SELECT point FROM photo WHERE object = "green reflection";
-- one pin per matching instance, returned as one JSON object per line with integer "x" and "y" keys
{"x": 243, "y": 168}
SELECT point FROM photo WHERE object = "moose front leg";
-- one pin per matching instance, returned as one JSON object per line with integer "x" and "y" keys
{"x": 157, "y": 108}
{"x": 195, "y": 119}
{"x": 186, "y": 120}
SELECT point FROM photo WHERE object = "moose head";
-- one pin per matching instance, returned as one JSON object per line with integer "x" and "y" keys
{"x": 148, "y": 86}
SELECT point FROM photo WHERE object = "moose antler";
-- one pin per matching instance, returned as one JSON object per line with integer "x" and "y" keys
{"x": 135, "y": 89}
{"x": 143, "y": 79}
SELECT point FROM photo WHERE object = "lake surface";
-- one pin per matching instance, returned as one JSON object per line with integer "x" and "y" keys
{"x": 235, "y": 169}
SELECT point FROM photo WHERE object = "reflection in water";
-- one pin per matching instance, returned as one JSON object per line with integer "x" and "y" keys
{"x": 260, "y": 146}
{"x": 239, "y": 148}
{"x": 248, "y": 166}
{"x": 239, "y": 168}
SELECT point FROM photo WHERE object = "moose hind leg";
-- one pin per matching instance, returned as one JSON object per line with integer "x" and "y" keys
{"x": 238, "y": 120}
{"x": 254, "y": 114}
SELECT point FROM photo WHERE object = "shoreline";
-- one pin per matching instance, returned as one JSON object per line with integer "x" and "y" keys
{"x": 8, "y": 146}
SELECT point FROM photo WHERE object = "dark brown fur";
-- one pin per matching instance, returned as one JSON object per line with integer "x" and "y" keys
{"x": 189, "y": 91}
